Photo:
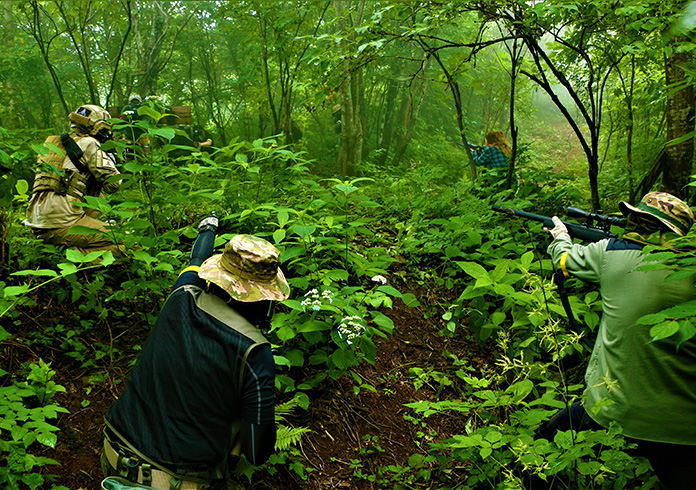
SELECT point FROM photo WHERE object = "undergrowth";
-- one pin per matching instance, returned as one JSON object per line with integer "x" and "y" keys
{"x": 339, "y": 242}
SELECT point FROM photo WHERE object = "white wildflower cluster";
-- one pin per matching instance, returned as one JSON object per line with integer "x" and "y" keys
{"x": 379, "y": 279}
{"x": 313, "y": 299}
{"x": 350, "y": 328}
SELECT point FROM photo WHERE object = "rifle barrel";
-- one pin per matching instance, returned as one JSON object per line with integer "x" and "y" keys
{"x": 574, "y": 230}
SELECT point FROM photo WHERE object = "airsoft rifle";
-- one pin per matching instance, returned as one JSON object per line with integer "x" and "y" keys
{"x": 595, "y": 227}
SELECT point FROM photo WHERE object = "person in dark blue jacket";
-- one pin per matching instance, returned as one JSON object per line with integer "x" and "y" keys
{"x": 201, "y": 393}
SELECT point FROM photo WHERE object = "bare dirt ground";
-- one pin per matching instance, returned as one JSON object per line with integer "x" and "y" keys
{"x": 368, "y": 427}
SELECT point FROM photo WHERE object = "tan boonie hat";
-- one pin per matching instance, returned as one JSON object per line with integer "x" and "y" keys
{"x": 671, "y": 211}
{"x": 248, "y": 269}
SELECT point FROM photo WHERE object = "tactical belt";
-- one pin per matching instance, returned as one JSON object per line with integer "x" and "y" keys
{"x": 131, "y": 465}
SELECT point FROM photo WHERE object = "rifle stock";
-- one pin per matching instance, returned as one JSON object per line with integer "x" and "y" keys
{"x": 575, "y": 230}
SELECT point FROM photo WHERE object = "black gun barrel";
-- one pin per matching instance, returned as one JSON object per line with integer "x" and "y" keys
{"x": 611, "y": 220}
{"x": 574, "y": 230}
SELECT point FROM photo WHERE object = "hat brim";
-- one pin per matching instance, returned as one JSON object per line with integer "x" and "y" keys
{"x": 244, "y": 290}
{"x": 626, "y": 208}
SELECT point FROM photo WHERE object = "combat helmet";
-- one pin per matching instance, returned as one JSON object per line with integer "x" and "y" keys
{"x": 91, "y": 120}
{"x": 672, "y": 212}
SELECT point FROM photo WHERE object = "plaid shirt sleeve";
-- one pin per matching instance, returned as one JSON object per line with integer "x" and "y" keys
{"x": 490, "y": 157}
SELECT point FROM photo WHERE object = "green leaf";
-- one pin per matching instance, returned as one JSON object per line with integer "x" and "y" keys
{"x": 520, "y": 389}
{"x": 527, "y": 259}
{"x": 145, "y": 110}
{"x": 664, "y": 330}
{"x": 47, "y": 439}
{"x": 285, "y": 333}
{"x": 37, "y": 273}
{"x": 367, "y": 346}
{"x": 452, "y": 251}
{"x": 278, "y": 235}
{"x": 383, "y": 321}
{"x": 686, "y": 331}
{"x": 167, "y": 133}
{"x": 66, "y": 269}
{"x": 11, "y": 291}
{"x": 343, "y": 358}
{"x": 22, "y": 186}
{"x": 476, "y": 271}
{"x": 391, "y": 291}
{"x": 313, "y": 326}
{"x": 304, "y": 231}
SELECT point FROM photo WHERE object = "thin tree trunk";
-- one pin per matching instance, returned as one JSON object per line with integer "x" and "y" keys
{"x": 680, "y": 123}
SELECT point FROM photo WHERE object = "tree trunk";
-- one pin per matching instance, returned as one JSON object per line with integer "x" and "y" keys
{"x": 408, "y": 116}
{"x": 680, "y": 123}
{"x": 386, "y": 129}
{"x": 350, "y": 151}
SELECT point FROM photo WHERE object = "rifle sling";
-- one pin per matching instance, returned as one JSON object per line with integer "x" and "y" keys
{"x": 74, "y": 153}
{"x": 576, "y": 326}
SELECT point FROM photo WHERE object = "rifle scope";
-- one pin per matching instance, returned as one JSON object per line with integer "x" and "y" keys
{"x": 608, "y": 220}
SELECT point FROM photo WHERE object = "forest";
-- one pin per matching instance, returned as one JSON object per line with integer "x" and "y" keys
{"x": 339, "y": 131}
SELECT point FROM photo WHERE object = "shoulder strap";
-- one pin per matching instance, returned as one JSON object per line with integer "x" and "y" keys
{"x": 574, "y": 324}
{"x": 74, "y": 152}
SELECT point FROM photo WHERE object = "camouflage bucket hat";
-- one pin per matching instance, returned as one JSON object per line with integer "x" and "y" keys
{"x": 248, "y": 269}
{"x": 671, "y": 212}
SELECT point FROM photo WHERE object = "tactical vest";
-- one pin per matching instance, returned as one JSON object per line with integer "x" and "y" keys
{"x": 52, "y": 177}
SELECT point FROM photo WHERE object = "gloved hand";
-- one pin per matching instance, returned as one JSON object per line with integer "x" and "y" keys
{"x": 209, "y": 223}
{"x": 558, "y": 229}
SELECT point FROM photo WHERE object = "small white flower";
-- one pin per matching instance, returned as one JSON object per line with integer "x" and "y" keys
{"x": 314, "y": 300}
{"x": 380, "y": 279}
{"x": 350, "y": 328}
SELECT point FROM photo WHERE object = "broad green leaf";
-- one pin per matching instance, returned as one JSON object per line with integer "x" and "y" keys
{"x": 167, "y": 133}
{"x": 686, "y": 330}
{"x": 11, "y": 291}
{"x": 37, "y": 273}
{"x": 22, "y": 186}
{"x": 66, "y": 268}
{"x": 520, "y": 389}
{"x": 304, "y": 231}
{"x": 47, "y": 439}
{"x": 664, "y": 330}
{"x": 367, "y": 346}
{"x": 475, "y": 270}
{"x": 676, "y": 276}
{"x": 278, "y": 235}
{"x": 527, "y": 259}
{"x": 391, "y": 291}
{"x": 313, "y": 326}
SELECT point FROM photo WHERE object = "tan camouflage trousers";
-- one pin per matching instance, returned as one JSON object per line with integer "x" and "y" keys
{"x": 98, "y": 241}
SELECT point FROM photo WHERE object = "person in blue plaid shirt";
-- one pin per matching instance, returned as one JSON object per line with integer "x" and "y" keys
{"x": 494, "y": 155}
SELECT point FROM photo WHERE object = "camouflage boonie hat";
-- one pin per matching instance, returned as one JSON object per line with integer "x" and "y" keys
{"x": 671, "y": 212}
{"x": 248, "y": 269}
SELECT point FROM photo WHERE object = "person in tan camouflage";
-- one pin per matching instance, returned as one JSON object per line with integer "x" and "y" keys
{"x": 201, "y": 393}
{"x": 65, "y": 178}
{"x": 648, "y": 387}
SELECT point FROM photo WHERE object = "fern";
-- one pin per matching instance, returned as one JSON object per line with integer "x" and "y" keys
{"x": 285, "y": 409}
{"x": 289, "y": 436}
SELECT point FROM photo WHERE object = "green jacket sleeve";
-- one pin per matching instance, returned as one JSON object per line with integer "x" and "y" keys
{"x": 581, "y": 261}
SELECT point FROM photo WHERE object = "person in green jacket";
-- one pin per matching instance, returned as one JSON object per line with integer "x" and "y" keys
{"x": 647, "y": 387}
